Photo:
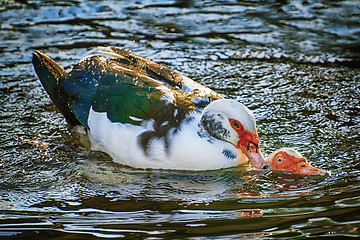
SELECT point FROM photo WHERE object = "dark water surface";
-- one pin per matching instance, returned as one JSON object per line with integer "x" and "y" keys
{"x": 294, "y": 63}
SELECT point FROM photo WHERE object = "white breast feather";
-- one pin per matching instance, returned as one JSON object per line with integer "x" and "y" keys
{"x": 187, "y": 150}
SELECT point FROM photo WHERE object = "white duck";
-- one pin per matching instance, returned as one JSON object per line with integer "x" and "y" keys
{"x": 147, "y": 116}
{"x": 290, "y": 160}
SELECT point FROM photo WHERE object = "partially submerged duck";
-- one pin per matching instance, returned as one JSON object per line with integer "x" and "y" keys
{"x": 290, "y": 160}
{"x": 147, "y": 116}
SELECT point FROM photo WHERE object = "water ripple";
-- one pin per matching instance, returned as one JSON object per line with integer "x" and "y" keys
{"x": 294, "y": 64}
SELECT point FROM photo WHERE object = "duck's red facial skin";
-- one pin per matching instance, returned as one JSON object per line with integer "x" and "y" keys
{"x": 283, "y": 161}
{"x": 249, "y": 144}
{"x": 245, "y": 137}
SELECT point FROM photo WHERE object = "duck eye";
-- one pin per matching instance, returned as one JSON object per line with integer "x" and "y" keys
{"x": 236, "y": 124}
{"x": 279, "y": 159}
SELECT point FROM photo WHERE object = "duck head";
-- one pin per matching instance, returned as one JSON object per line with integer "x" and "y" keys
{"x": 234, "y": 123}
{"x": 287, "y": 159}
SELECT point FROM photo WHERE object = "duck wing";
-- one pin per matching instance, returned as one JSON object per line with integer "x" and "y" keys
{"x": 131, "y": 89}
{"x": 163, "y": 75}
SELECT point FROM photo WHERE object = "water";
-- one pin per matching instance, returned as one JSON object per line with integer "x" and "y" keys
{"x": 295, "y": 64}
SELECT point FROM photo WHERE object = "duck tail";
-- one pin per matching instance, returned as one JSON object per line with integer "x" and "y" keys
{"x": 50, "y": 74}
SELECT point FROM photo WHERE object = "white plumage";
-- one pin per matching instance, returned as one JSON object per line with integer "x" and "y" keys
{"x": 190, "y": 148}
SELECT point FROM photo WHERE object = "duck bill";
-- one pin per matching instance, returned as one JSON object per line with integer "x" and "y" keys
{"x": 255, "y": 157}
{"x": 309, "y": 170}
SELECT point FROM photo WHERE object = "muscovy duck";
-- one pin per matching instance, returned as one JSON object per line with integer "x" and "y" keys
{"x": 290, "y": 160}
{"x": 145, "y": 115}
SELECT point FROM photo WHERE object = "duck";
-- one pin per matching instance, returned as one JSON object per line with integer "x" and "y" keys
{"x": 147, "y": 116}
{"x": 292, "y": 161}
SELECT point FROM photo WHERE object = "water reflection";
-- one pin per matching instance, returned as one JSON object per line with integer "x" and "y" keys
{"x": 293, "y": 63}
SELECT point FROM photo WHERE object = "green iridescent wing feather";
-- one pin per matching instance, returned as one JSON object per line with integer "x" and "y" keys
{"x": 129, "y": 88}
{"x": 127, "y": 103}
